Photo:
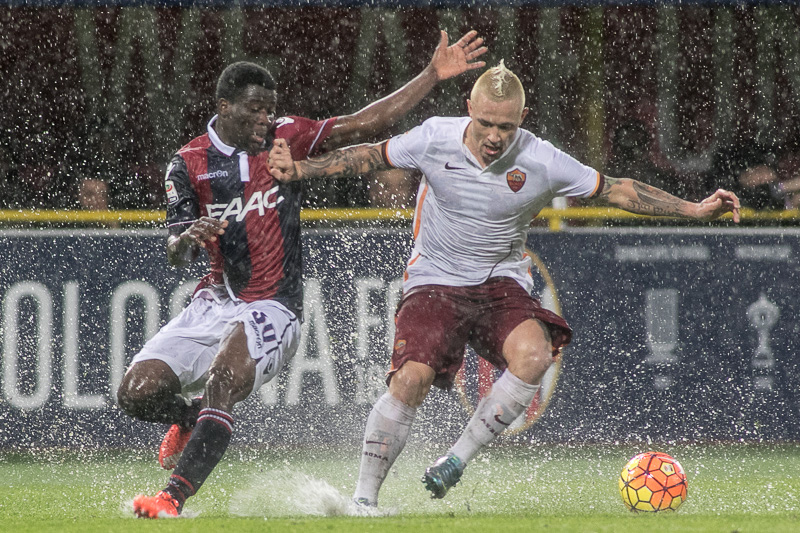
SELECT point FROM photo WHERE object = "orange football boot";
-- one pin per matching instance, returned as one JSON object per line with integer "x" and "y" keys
{"x": 162, "y": 505}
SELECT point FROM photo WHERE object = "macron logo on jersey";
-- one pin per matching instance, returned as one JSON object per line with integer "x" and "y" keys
{"x": 258, "y": 201}
{"x": 210, "y": 175}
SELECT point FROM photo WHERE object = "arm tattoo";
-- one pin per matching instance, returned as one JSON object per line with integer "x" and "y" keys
{"x": 345, "y": 162}
{"x": 649, "y": 200}
{"x": 638, "y": 197}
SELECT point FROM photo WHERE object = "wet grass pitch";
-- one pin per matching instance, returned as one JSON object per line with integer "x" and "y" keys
{"x": 732, "y": 487}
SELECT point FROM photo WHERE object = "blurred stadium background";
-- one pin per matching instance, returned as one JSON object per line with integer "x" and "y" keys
{"x": 684, "y": 332}
{"x": 107, "y": 90}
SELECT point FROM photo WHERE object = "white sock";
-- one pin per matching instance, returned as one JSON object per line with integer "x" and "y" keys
{"x": 386, "y": 433}
{"x": 509, "y": 398}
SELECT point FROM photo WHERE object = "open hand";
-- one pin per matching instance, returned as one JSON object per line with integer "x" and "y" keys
{"x": 204, "y": 229}
{"x": 281, "y": 165}
{"x": 450, "y": 61}
{"x": 718, "y": 204}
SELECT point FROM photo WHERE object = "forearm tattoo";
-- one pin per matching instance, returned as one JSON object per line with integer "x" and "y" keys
{"x": 345, "y": 162}
{"x": 638, "y": 197}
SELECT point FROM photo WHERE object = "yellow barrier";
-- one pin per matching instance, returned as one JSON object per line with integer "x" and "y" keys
{"x": 554, "y": 217}
{"x": 76, "y": 216}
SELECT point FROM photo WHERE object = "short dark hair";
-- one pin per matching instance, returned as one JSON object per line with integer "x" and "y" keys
{"x": 237, "y": 76}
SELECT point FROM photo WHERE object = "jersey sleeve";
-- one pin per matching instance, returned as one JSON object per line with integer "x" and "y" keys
{"x": 407, "y": 150}
{"x": 182, "y": 205}
{"x": 305, "y": 136}
{"x": 570, "y": 177}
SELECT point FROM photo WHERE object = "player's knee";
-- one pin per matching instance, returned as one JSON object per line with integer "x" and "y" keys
{"x": 529, "y": 350}
{"x": 530, "y": 360}
{"x": 143, "y": 386}
{"x": 128, "y": 396}
{"x": 124, "y": 400}
{"x": 132, "y": 400}
{"x": 411, "y": 383}
{"x": 538, "y": 353}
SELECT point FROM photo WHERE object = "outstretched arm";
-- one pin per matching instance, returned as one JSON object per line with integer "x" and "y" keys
{"x": 447, "y": 62}
{"x": 350, "y": 161}
{"x": 638, "y": 197}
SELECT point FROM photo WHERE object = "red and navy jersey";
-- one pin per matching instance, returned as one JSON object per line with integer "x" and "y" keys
{"x": 259, "y": 257}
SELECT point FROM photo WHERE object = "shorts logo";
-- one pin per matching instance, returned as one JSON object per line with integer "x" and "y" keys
{"x": 516, "y": 179}
{"x": 399, "y": 346}
{"x": 258, "y": 318}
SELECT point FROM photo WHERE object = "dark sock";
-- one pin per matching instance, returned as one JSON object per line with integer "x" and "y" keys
{"x": 210, "y": 439}
{"x": 189, "y": 416}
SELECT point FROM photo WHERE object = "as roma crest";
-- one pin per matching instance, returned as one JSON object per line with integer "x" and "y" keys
{"x": 516, "y": 179}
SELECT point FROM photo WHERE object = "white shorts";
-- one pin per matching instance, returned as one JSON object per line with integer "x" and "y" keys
{"x": 190, "y": 341}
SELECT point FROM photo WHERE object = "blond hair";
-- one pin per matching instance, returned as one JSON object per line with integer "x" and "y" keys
{"x": 499, "y": 83}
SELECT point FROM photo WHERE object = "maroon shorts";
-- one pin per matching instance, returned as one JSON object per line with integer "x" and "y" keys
{"x": 434, "y": 323}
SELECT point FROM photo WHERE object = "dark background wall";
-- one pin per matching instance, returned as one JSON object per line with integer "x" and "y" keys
{"x": 111, "y": 92}
{"x": 680, "y": 335}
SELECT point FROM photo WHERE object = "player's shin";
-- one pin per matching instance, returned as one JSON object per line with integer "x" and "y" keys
{"x": 508, "y": 398}
{"x": 208, "y": 444}
{"x": 386, "y": 433}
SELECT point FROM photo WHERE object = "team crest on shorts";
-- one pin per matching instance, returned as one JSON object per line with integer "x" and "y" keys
{"x": 516, "y": 179}
{"x": 399, "y": 346}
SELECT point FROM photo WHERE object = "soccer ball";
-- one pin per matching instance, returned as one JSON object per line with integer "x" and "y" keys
{"x": 651, "y": 482}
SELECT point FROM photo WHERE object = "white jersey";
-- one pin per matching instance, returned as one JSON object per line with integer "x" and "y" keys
{"x": 471, "y": 223}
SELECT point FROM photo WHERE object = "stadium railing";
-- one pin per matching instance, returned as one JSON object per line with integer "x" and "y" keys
{"x": 555, "y": 219}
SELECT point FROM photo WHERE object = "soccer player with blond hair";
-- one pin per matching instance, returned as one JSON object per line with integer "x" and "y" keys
{"x": 499, "y": 83}
{"x": 243, "y": 323}
{"x": 467, "y": 280}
